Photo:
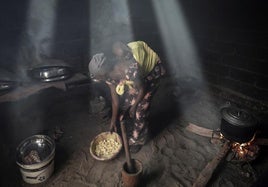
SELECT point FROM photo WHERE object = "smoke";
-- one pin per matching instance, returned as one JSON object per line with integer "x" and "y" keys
{"x": 37, "y": 39}
{"x": 179, "y": 45}
{"x": 109, "y": 21}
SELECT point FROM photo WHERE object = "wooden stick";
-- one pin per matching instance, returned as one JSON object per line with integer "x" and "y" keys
{"x": 207, "y": 172}
{"x": 125, "y": 141}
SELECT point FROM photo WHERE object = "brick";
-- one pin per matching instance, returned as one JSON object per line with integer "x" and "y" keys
{"x": 235, "y": 61}
{"x": 209, "y": 56}
{"x": 243, "y": 36}
{"x": 226, "y": 35}
{"x": 211, "y": 77}
{"x": 261, "y": 40}
{"x": 243, "y": 76}
{"x": 259, "y": 67}
{"x": 252, "y": 52}
{"x": 246, "y": 51}
{"x": 206, "y": 33}
{"x": 245, "y": 63}
{"x": 246, "y": 89}
{"x": 13, "y": 17}
{"x": 262, "y": 53}
{"x": 77, "y": 19}
{"x": 10, "y": 38}
{"x": 70, "y": 48}
{"x": 262, "y": 82}
{"x": 221, "y": 48}
{"x": 141, "y": 25}
{"x": 63, "y": 32}
{"x": 79, "y": 63}
{"x": 202, "y": 41}
{"x": 257, "y": 39}
{"x": 215, "y": 68}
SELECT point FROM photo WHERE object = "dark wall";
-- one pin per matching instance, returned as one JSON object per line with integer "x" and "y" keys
{"x": 35, "y": 30}
{"x": 231, "y": 36}
{"x": 232, "y": 39}
{"x": 12, "y": 24}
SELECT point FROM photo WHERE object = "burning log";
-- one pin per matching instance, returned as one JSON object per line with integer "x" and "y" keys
{"x": 244, "y": 152}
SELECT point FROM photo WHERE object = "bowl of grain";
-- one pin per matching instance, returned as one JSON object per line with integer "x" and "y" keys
{"x": 105, "y": 146}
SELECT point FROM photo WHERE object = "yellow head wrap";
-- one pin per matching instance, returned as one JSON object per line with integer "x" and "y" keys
{"x": 120, "y": 88}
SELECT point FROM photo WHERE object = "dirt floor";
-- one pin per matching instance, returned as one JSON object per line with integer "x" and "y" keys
{"x": 173, "y": 156}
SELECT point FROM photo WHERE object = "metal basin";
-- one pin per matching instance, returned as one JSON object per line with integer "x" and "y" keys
{"x": 42, "y": 145}
{"x": 51, "y": 70}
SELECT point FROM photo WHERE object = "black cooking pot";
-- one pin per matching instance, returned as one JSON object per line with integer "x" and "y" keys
{"x": 237, "y": 124}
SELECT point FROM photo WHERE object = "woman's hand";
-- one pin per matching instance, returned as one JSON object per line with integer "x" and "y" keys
{"x": 132, "y": 111}
{"x": 113, "y": 127}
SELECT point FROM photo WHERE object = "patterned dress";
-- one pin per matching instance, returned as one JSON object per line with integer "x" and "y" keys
{"x": 138, "y": 130}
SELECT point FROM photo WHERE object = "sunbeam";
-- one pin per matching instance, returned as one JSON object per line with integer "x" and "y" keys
{"x": 179, "y": 45}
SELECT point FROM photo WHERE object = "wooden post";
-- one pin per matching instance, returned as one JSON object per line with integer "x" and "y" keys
{"x": 132, "y": 179}
{"x": 130, "y": 167}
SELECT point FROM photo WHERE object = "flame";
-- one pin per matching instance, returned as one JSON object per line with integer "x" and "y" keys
{"x": 245, "y": 151}
{"x": 221, "y": 136}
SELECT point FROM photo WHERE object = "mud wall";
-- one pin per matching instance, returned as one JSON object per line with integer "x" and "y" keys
{"x": 232, "y": 39}
{"x": 230, "y": 36}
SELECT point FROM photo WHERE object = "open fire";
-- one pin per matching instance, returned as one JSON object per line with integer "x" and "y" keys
{"x": 244, "y": 152}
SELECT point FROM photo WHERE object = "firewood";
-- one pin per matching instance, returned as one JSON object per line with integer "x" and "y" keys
{"x": 207, "y": 172}
{"x": 201, "y": 131}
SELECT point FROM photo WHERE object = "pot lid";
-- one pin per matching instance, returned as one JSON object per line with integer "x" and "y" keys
{"x": 238, "y": 116}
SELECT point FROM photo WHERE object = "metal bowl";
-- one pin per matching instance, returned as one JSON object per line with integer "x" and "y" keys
{"x": 50, "y": 74}
{"x": 42, "y": 145}
{"x": 50, "y": 70}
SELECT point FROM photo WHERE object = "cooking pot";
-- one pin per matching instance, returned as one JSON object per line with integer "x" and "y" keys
{"x": 237, "y": 124}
